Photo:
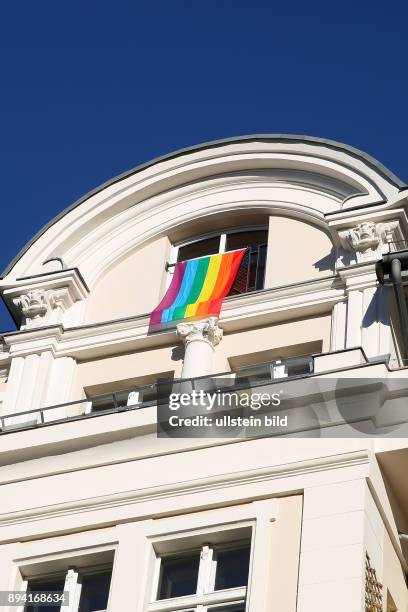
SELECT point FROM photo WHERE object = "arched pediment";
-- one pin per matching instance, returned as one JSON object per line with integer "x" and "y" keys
{"x": 241, "y": 178}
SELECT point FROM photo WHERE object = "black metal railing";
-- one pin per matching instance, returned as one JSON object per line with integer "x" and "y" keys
{"x": 251, "y": 273}
{"x": 144, "y": 396}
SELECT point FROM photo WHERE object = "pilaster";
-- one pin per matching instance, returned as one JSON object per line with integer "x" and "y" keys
{"x": 362, "y": 240}
{"x": 37, "y": 376}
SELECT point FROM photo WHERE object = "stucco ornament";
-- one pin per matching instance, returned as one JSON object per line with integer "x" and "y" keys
{"x": 34, "y": 306}
{"x": 40, "y": 306}
{"x": 365, "y": 238}
{"x": 368, "y": 239}
{"x": 206, "y": 330}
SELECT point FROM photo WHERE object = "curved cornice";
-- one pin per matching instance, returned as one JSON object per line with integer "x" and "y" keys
{"x": 349, "y": 159}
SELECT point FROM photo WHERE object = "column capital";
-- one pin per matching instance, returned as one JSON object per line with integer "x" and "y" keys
{"x": 206, "y": 331}
{"x": 42, "y": 300}
{"x": 368, "y": 240}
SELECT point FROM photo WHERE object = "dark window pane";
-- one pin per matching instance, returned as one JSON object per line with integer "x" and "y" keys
{"x": 144, "y": 396}
{"x": 241, "y": 280}
{"x": 232, "y": 568}
{"x": 45, "y": 585}
{"x": 232, "y": 608}
{"x": 103, "y": 402}
{"x": 253, "y": 265}
{"x": 95, "y": 592}
{"x": 178, "y": 577}
{"x": 240, "y": 240}
{"x": 251, "y": 273}
{"x": 149, "y": 394}
{"x": 260, "y": 277}
{"x": 210, "y": 246}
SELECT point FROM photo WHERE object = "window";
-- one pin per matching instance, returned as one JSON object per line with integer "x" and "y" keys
{"x": 87, "y": 588}
{"x": 142, "y": 394}
{"x": 51, "y": 584}
{"x": 290, "y": 367}
{"x": 251, "y": 273}
{"x": 94, "y": 592}
{"x": 212, "y": 578}
{"x": 136, "y": 397}
{"x": 178, "y": 576}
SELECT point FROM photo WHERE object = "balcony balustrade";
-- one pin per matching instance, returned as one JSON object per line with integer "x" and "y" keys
{"x": 144, "y": 396}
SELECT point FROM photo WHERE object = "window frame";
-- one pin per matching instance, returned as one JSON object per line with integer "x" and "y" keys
{"x": 222, "y": 233}
{"x": 184, "y": 531}
{"x": 72, "y": 579}
{"x": 206, "y": 579}
{"x": 74, "y": 564}
{"x": 231, "y": 535}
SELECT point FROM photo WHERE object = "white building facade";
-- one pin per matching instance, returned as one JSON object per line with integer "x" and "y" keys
{"x": 93, "y": 502}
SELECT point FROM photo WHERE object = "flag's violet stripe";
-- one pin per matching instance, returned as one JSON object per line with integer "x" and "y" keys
{"x": 198, "y": 287}
{"x": 171, "y": 292}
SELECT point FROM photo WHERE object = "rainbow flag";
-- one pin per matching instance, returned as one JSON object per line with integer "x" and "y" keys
{"x": 198, "y": 288}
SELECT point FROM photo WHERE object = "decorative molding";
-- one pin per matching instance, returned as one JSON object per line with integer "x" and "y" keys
{"x": 40, "y": 300}
{"x": 34, "y": 306}
{"x": 61, "y": 298}
{"x": 200, "y": 331}
{"x": 359, "y": 276}
{"x": 153, "y": 201}
{"x": 228, "y": 480}
{"x": 365, "y": 237}
{"x": 246, "y": 311}
{"x": 38, "y": 306}
{"x": 369, "y": 240}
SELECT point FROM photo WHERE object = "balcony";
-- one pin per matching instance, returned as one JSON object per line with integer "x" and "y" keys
{"x": 146, "y": 396}
{"x": 311, "y": 369}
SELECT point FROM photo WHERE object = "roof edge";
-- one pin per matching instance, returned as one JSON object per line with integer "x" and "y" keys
{"x": 333, "y": 144}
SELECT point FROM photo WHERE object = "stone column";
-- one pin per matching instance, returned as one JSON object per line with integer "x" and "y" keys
{"x": 199, "y": 338}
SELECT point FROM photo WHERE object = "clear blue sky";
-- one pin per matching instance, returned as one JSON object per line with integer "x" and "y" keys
{"x": 91, "y": 89}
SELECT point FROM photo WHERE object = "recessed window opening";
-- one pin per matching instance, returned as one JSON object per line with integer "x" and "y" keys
{"x": 251, "y": 273}
{"x": 47, "y": 584}
{"x": 87, "y": 589}
{"x": 211, "y": 576}
{"x": 142, "y": 395}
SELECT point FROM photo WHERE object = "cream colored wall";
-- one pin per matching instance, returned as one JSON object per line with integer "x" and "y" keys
{"x": 396, "y": 344}
{"x": 297, "y": 252}
{"x": 393, "y": 577}
{"x": 265, "y": 343}
{"x": 132, "y": 287}
{"x": 123, "y": 371}
{"x": 242, "y": 348}
{"x": 3, "y": 389}
{"x": 284, "y": 567}
{"x": 277, "y": 525}
{"x": 135, "y": 285}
